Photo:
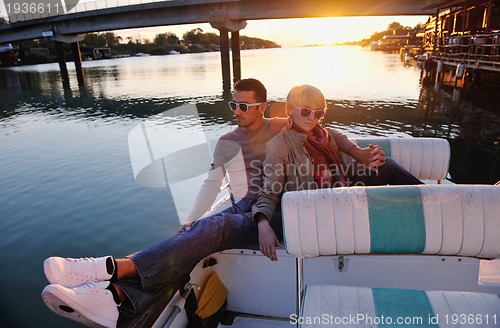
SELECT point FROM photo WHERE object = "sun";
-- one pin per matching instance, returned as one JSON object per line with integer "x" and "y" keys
{"x": 324, "y": 30}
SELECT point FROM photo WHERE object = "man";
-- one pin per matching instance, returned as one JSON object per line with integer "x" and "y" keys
{"x": 96, "y": 290}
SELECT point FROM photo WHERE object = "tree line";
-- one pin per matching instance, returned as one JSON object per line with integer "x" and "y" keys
{"x": 394, "y": 26}
{"x": 195, "y": 40}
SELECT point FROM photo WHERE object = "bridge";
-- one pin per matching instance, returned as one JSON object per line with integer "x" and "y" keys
{"x": 107, "y": 15}
{"x": 68, "y": 22}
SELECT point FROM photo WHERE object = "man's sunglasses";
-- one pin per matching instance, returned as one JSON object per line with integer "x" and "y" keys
{"x": 305, "y": 112}
{"x": 243, "y": 106}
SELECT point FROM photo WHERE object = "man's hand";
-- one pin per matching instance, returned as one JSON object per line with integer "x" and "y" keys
{"x": 185, "y": 227}
{"x": 267, "y": 239}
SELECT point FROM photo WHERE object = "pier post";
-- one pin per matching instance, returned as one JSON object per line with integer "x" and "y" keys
{"x": 488, "y": 17}
{"x": 224, "y": 56}
{"x": 77, "y": 58}
{"x": 435, "y": 45}
{"x": 59, "y": 40}
{"x": 219, "y": 21}
{"x": 235, "y": 50}
{"x": 464, "y": 19}
{"x": 61, "y": 59}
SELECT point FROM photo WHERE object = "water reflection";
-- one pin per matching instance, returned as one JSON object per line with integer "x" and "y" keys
{"x": 366, "y": 97}
{"x": 472, "y": 128}
{"x": 65, "y": 166}
{"x": 42, "y": 92}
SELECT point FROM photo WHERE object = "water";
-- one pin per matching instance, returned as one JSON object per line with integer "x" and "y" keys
{"x": 67, "y": 184}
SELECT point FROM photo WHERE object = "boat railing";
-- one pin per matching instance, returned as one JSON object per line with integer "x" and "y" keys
{"x": 477, "y": 51}
{"x": 478, "y": 46}
{"x": 167, "y": 318}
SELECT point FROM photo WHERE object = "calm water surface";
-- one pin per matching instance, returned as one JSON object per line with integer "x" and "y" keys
{"x": 66, "y": 179}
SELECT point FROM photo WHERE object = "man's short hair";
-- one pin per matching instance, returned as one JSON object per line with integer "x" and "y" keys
{"x": 252, "y": 85}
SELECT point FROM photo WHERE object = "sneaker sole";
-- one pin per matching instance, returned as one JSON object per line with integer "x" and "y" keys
{"x": 65, "y": 309}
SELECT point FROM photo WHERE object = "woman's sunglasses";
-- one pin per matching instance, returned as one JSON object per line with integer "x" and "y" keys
{"x": 305, "y": 112}
{"x": 243, "y": 106}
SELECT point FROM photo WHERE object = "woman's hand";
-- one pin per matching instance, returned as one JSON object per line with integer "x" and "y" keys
{"x": 377, "y": 156}
{"x": 267, "y": 239}
{"x": 372, "y": 156}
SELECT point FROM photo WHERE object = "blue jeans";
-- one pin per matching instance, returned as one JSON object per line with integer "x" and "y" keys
{"x": 391, "y": 173}
{"x": 161, "y": 264}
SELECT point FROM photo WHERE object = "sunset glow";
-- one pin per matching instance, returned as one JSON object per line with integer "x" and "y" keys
{"x": 296, "y": 32}
{"x": 286, "y": 32}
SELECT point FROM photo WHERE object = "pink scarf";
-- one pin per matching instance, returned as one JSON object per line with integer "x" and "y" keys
{"x": 324, "y": 157}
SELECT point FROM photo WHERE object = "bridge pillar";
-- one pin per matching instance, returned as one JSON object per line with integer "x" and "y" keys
{"x": 59, "y": 40}
{"x": 61, "y": 59}
{"x": 77, "y": 58}
{"x": 224, "y": 56}
{"x": 235, "y": 46}
{"x": 218, "y": 21}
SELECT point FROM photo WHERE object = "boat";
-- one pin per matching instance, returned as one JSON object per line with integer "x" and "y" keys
{"x": 354, "y": 258}
{"x": 101, "y": 53}
{"x": 8, "y": 54}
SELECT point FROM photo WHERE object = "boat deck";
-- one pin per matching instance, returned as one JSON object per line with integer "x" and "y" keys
{"x": 248, "y": 322}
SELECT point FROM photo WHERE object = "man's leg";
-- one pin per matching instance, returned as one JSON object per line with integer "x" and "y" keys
{"x": 161, "y": 264}
{"x": 154, "y": 269}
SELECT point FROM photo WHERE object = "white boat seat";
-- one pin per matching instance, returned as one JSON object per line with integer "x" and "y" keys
{"x": 425, "y": 158}
{"x": 345, "y": 306}
{"x": 461, "y": 220}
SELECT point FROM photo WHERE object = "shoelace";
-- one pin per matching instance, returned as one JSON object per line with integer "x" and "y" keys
{"x": 93, "y": 288}
{"x": 87, "y": 270}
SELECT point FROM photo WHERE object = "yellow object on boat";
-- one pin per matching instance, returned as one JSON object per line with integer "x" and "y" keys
{"x": 212, "y": 298}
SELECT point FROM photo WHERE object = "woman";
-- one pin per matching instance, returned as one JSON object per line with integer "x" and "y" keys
{"x": 306, "y": 155}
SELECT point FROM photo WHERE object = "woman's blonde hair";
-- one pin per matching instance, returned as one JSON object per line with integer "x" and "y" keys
{"x": 305, "y": 95}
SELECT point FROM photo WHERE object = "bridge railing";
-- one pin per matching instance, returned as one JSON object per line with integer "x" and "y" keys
{"x": 19, "y": 12}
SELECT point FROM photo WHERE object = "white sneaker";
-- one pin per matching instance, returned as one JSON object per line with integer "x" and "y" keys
{"x": 91, "y": 304}
{"x": 70, "y": 273}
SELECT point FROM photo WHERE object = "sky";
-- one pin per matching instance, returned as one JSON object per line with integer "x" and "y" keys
{"x": 287, "y": 32}
{"x": 295, "y": 32}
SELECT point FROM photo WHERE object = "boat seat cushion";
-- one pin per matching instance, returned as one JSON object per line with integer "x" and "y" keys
{"x": 425, "y": 158}
{"x": 462, "y": 220}
{"x": 345, "y": 306}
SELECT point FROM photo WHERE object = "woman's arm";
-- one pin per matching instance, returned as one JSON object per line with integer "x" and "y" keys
{"x": 274, "y": 168}
{"x": 372, "y": 156}
{"x": 273, "y": 186}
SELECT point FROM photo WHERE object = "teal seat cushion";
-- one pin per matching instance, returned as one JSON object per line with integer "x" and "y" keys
{"x": 396, "y": 220}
